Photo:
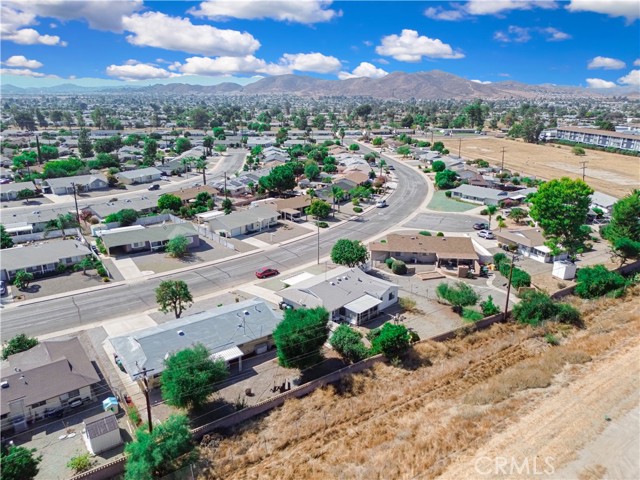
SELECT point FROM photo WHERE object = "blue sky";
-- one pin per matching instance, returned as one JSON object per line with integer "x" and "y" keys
{"x": 592, "y": 43}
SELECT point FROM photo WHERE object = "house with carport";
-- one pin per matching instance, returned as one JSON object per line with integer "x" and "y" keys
{"x": 83, "y": 183}
{"x": 529, "y": 242}
{"x": 138, "y": 238}
{"x": 244, "y": 222}
{"x": 141, "y": 175}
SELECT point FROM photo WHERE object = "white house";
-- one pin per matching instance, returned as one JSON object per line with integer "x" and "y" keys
{"x": 142, "y": 175}
{"x": 529, "y": 242}
{"x": 65, "y": 185}
{"x": 244, "y": 222}
{"x": 101, "y": 433}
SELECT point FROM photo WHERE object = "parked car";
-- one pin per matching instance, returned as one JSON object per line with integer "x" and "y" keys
{"x": 488, "y": 234}
{"x": 481, "y": 226}
{"x": 3, "y": 287}
{"x": 391, "y": 167}
{"x": 77, "y": 402}
{"x": 381, "y": 203}
{"x": 266, "y": 272}
{"x": 155, "y": 186}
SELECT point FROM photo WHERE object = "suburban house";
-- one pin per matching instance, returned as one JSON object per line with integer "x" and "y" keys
{"x": 358, "y": 177}
{"x": 441, "y": 251}
{"x": 142, "y": 175}
{"x": 9, "y": 191}
{"x": 230, "y": 332}
{"x": 290, "y": 208}
{"x": 529, "y": 243}
{"x": 189, "y": 194}
{"x": 349, "y": 294}
{"x": 41, "y": 258}
{"x": 138, "y": 238}
{"x": 84, "y": 183}
{"x": 101, "y": 433}
{"x": 244, "y": 222}
{"x": 35, "y": 221}
{"x": 140, "y": 205}
{"x": 488, "y": 196}
{"x": 43, "y": 380}
{"x": 602, "y": 201}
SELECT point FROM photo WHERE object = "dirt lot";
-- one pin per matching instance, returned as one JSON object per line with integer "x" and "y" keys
{"x": 606, "y": 172}
{"x": 504, "y": 393}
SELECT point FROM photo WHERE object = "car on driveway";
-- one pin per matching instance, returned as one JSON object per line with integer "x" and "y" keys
{"x": 488, "y": 234}
{"x": 266, "y": 272}
{"x": 481, "y": 226}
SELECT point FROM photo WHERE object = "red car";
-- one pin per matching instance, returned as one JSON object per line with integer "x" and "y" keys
{"x": 266, "y": 272}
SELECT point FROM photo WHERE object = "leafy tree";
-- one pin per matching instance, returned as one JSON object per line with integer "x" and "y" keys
{"x": 391, "y": 340}
{"x": 338, "y": 195}
{"x": 208, "y": 142}
{"x": 124, "y": 217}
{"x": 182, "y": 145}
{"x": 437, "y": 147}
{"x": 17, "y": 344}
{"x": 458, "y": 296}
{"x": 488, "y": 307}
{"x": 311, "y": 170}
{"x": 150, "y": 150}
{"x": 299, "y": 337}
{"x": 84, "y": 264}
{"x": 377, "y": 142}
{"x": 491, "y": 210}
{"x": 178, "y": 246}
{"x": 5, "y": 239}
{"x": 354, "y": 147}
{"x": 438, "y": 166}
{"x": 623, "y": 232}
{"x": 22, "y": 279}
{"x": 200, "y": 118}
{"x": 19, "y": 463}
{"x": 173, "y": 295}
{"x": 560, "y": 207}
{"x": 62, "y": 222}
{"x": 154, "y": 455}
{"x": 84, "y": 144}
{"x": 348, "y": 343}
{"x": 625, "y": 248}
{"x": 445, "y": 179}
{"x": 349, "y": 252}
{"x": 517, "y": 214}
{"x": 192, "y": 390}
{"x": 49, "y": 152}
{"x": 63, "y": 168}
{"x": 593, "y": 282}
{"x": 319, "y": 209}
{"x": 227, "y": 206}
{"x": 107, "y": 145}
{"x": 535, "y": 307}
{"x": 280, "y": 179}
{"x": 169, "y": 202}
{"x": 403, "y": 150}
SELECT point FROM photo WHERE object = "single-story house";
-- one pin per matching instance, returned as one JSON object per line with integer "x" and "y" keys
{"x": 189, "y": 194}
{"x": 290, "y": 208}
{"x": 140, "y": 205}
{"x": 358, "y": 177}
{"x": 84, "y": 183}
{"x": 260, "y": 142}
{"x": 101, "y": 433}
{"x": 41, "y": 258}
{"x": 37, "y": 219}
{"x": 9, "y": 191}
{"x": 244, "y": 222}
{"x": 487, "y": 196}
{"x": 529, "y": 242}
{"x": 138, "y": 238}
{"x": 602, "y": 201}
{"x": 43, "y": 380}
{"x": 230, "y": 332}
{"x": 454, "y": 251}
{"x": 349, "y": 294}
{"x": 142, "y": 175}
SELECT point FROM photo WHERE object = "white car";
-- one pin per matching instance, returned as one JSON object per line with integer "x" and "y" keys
{"x": 488, "y": 234}
{"x": 381, "y": 203}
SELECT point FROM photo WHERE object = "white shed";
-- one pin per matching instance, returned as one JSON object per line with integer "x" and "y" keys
{"x": 101, "y": 432}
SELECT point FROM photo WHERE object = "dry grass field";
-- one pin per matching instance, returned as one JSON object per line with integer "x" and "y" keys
{"x": 606, "y": 172}
{"x": 503, "y": 391}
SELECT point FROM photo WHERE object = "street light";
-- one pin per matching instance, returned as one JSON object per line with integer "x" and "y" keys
{"x": 506, "y": 304}
{"x": 318, "y": 225}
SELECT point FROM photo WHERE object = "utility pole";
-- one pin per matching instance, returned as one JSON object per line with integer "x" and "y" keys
{"x": 145, "y": 380}
{"x": 38, "y": 151}
{"x": 225, "y": 185}
{"x": 318, "y": 225}
{"x": 502, "y": 168}
{"x": 506, "y": 304}
{"x": 431, "y": 135}
{"x": 75, "y": 199}
{"x": 459, "y": 147}
{"x": 584, "y": 167}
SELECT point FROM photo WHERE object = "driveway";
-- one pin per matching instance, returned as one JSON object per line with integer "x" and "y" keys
{"x": 442, "y": 223}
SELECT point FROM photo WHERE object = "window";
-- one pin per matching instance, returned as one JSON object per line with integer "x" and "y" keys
{"x": 39, "y": 404}
{"x": 137, "y": 244}
{"x": 391, "y": 296}
{"x": 74, "y": 393}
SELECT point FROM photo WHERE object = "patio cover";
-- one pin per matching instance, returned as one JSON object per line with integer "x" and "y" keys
{"x": 228, "y": 354}
{"x": 362, "y": 304}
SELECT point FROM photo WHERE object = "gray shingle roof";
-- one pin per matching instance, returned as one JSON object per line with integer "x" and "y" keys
{"x": 101, "y": 424}
{"x": 242, "y": 218}
{"x": 43, "y": 253}
{"x": 142, "y": 172}
{"x": 149, "y": 234}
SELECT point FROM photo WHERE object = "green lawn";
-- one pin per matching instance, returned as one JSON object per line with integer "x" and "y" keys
{"x": 441, "y": 203}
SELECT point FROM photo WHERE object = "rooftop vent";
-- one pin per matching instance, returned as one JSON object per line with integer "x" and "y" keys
{"x": 345, "y": 278}
{"x": 246, "y": 312}
{"x": 181, "y": 333}
{"x": 332, "y": 283}
{"x": 4, "y": 384}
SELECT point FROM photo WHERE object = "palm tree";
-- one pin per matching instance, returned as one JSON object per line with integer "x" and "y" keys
{"x": 382, "y": 165}
{"x": 62, "y": 222}
{"x": 207, "y": 143}
{"x": 491, "y": 210}
{"x": 201, "y": 165}
{"x": 338, "y": 195}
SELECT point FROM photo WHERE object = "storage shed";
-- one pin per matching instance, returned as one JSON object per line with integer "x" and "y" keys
{"x": 102, "y": 433}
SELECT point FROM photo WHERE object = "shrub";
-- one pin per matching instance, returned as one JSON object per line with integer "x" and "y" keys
{"x": 357, "y": 209}
{"x": 447, "y": 194}
{"x": 425, "y": 233}
{"x": 484, "y": 211}
{"x": 389, "y": 262}
{"x": 535, "y": 307}
{"x": 323, "y": 224}
{"x": 408, "y": 304}
{"x": 471, "y": 315}
{"x": 551, "y": 339}
{"x": 488, "y": 307}
{"x": 355, "y": 202}
{"x": 399, "y": 267}
{"x": 390, "y": 340}
{"x": 348, "y": 343}
{"x": 593, "y": 282}
{"x": 458, "y": 296}
{"x": 439, "y": 234}
{"x": 61, "y": 268}
{"x": 499, "y": 258}
{"x": 102, "y": 271}
{"x": 567, "y": 314}
{"x": 80, "y": 463}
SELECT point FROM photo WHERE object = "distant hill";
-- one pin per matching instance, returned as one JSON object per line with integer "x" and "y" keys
{"x": 431, "y": 85}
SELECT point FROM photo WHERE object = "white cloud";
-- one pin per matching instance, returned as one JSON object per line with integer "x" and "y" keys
{"x": 99, "y": 14}
{"x": 298, "y": 11}
{"x": 228, "y": 65}
{"x": 155, "y": 29}
{"x": 365, "y": 69}
{"x": 632, "y": 78}
{"x": 21, "y": 72}
{"x": 485, "y": 82}
{"x": 599, "y": 83}
{"x": 137, "y": 71}
{"x": 368, "y": 43}
{"x": 493, "y": 7}
{"x": 614, "y": 8}
{"x": 554, "y": 35}
{"x": 29, "y": 36}
{"x": 311, "y": 62}
{"x": 381, "y": 61}
{"x": 409, "y": 47}
{"x": 636, "y": 62}
{"x": 439, "y": 13}
{"x": 21, "y": 61}
{"x": 12, "y": 30}
{"x": 513, "y": 34}
{"x": 606, "y": 63}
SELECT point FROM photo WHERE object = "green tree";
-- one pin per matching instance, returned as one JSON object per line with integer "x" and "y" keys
{"x": 84, "y": 264}
{"x": 49, "y": 152}
{"x": 173, "y": 295}
{"x": 535, "y": 307}
{"x": 125, "y": 217}
{"x": 403, "y": 150}
{"x": 391, "y": 340}
{"x": 311, "y": 170}
{"x": 19, "y": 463}
{"x": 5, "y": 239}
{"x": 338, "y": 195}
{"x": 517, "y": 214}
{"x": 491, "y": 211}
{"x": 193, "y": 389}
{"x": 208, "y": 142}
{"x": 178, "y": 246}
{"x": 201, "y": 165}
{"x": 349, "y": 252}
{"x": 579, "y": 151}
{"x": 17, "y": 344}
{"x": 150, "y": 150}
{"x": 623, "y": 232}
{"x": 438, "y": 166}
{"x": 279, "y": 179}
{"x": 458, "y": 296}
{"x": 169, "y": 202}
{"x": 299, "y": 337}
{"x": 154, "y": 455}
{"x": 377, "y": 142}
{"x": 560, "y": 207}
{"x": 182, "y": 145}
{"x": 63, "y": 222}
{"x": 84, "y": 144}
{"x": 348, "y": 343}
{"x": 445, "y": 179}
{"x": 318, "y": 209}
{"x": 22, "y": 279}
{"x": 354, "y": 147}
{"x": 593, "y": 282}
{"x": 488, "y": 307}
{"x": 80, "y": 463}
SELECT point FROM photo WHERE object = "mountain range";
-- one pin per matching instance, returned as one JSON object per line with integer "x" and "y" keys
{"x": 433, "y": 85}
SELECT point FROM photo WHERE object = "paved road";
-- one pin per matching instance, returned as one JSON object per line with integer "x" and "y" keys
{"x": 441, "y": 223}
{"x": 129, "y": 298}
